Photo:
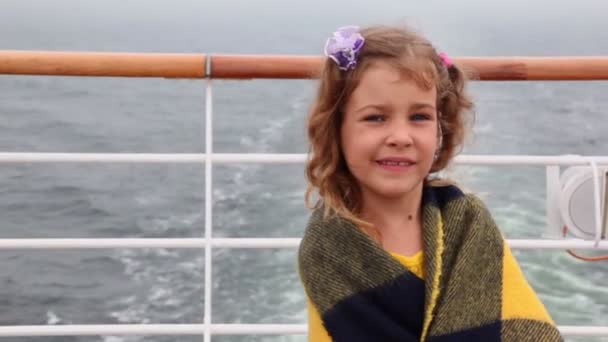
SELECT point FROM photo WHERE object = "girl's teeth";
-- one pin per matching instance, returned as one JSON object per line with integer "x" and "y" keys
{"x": 395, "y": 163}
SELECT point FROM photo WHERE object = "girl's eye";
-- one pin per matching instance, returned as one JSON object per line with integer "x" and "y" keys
{"x": 375, "y": 118}
{"x": 420, "y": 117}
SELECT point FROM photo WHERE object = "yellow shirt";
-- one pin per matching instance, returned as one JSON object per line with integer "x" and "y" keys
{"x": 316, "y": 330}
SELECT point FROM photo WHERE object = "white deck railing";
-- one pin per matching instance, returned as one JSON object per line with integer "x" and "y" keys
{"x": 201, "y": 329}
{"x": 208, "y": 242}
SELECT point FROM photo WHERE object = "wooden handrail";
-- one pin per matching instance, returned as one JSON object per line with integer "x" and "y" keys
{"x": 192, "y": 65}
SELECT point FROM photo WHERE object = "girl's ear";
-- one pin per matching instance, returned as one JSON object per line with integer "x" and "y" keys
{"x": 439, "y": 132}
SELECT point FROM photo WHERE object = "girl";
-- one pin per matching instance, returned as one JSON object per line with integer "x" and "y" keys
{"x": 390, "y": 254}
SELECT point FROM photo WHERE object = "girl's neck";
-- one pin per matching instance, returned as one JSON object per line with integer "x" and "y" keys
{"x": 387, "y": 213}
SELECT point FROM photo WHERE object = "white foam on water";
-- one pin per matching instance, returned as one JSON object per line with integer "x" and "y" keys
{"x": 52, "y": 318}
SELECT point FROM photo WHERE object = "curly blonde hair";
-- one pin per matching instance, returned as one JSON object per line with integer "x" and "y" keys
{"x": 417, "y": 59}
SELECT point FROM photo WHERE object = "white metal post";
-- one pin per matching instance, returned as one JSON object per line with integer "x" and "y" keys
{"x": 553, "y": 187}
{"x": 208, "y": 199}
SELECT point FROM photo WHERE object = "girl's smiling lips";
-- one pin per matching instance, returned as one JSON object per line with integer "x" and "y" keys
{"x": 395, "y": 163}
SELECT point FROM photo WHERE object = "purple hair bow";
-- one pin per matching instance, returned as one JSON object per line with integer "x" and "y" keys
{"x": 344, "y": 46}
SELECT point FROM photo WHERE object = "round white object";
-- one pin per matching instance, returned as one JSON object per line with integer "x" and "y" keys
{"x": 577, "y": 201}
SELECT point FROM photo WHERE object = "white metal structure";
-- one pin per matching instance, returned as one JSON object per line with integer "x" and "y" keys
{"x": 208, "y": 242}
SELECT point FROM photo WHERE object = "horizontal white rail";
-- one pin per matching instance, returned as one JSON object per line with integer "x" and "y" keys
{"x": 28, "y": 157}
{"x": 50, "y": 243}
{"x": 153, "y": 329}
{"x": 149, "y": 158}
{"x": 200, "y": 329}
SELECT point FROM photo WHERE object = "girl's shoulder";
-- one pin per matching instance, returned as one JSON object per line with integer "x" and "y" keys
{"x": 456, "y": 204}
{"x": 445, "y": 192}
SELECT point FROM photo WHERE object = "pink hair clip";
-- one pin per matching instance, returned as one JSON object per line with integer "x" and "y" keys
{"x": 447, "y": 61}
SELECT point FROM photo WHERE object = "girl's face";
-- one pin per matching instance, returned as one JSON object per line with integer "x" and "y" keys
{"x": 389, "y": 133}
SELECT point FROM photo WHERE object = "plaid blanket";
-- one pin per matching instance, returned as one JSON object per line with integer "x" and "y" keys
{"x": 473, "y": 289}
